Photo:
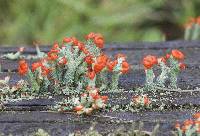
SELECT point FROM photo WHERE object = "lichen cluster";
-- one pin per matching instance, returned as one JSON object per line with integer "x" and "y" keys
{"x": 70, "y": 68}
{"x": 81, "y": 72}
{"x": 192, "y": 29}
{"x": 190, "y": 127}
{"x": 169, "y": 66}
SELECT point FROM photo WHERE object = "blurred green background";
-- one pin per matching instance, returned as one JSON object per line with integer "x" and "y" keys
{"x": 44, "y": 21}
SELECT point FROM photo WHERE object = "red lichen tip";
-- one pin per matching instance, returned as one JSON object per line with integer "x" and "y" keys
{"x": 197, "y": 115}
{"x": 177, "y": 54}
{"x": 149, "y": 61}
{"x": 23, "y": 67}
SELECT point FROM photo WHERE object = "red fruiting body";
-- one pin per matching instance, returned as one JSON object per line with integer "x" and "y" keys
{"x": 91, "y": 75}
{"x": 197, "y": 122}
{"x": 182, "y": 66}
{"x": 177, "y": 54}
{"x": 67, "y": 40}
{"x": 139, "y": 99}
{"x": 101, "y": 63}
{"x": 89, "y": 59}
{"x": 149, "y": 61}
{"x": 104, "y": 98}
{"x": 146, "y": 100}
{"x": 23, "y": 67}
{"x": 111, "y": 65}
{"x": 45, "y": 71}
{"x": 90, "y": 36}
{"x": 75, "y": 41}
{"x": 167, "y": 56}
{"x": 36, "y": 65}
{"x": 71, "y": 40}
{"x": 78, "y": 108}
{"x": 81, "y": 45}
{"x": 98, "y": 67}
{"x": 54, "y": 51}
{"x": 188, "y": 122}
{"x": 99, "y": 40}
{"x": 55, "y": 46}
{"x": 198, "y": 20}
{"x": 102, "y": 58}
{"x": 95, "y": 96}
{"x": 197, "y": 115}
{"x": 52, "y": 56}
{"x": 125, "y": 67}
{"x": 177, "y": 125}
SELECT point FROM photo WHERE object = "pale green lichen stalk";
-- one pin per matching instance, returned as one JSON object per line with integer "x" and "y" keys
{"x": 173, "y": 72}
{"x": 41, "y": 132}
{"x": 14, "y": 56}
{"x": 40, "y": 54}
{"x": 150, "y": 76}
{"x": 161, "y": 79}
{"x": 192, "y": 29}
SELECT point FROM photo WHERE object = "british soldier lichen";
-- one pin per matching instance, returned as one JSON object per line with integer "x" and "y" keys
{"x": 190, "y": 127}
{"x": 170, "y": 66}
{"x": 192, "y": 29}
{"x": 82, "y": 72}
{"x": 75, "y": 65}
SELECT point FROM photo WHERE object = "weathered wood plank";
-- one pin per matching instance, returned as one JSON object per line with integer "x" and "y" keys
{"x": 136, "y": 77}
{"x": 28, "y": 49}
{"x": 134, "y": 57}
{"x": 154, "y": 45}
{"x": 172, "y": 101}
{"x": 30, "y": 115}
{"x": 14, "y": 77}
{"x": 121, "y": 46}
{"x": 188, "y": 78}
{"x": 22, "y": 123}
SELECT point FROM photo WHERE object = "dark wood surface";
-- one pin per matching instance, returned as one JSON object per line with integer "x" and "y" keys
{"x": 24, "y": 117}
